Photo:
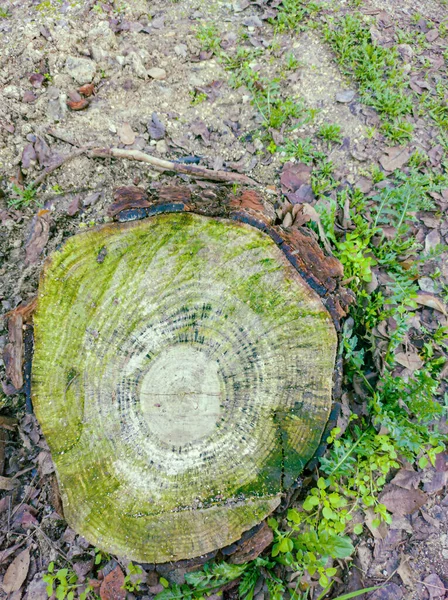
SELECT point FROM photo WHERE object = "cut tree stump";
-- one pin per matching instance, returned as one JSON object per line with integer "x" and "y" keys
{"x": 182, "y": 376}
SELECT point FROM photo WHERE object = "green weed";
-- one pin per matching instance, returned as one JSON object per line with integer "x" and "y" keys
{"x": 330, "y": 132}
{"x": 22, "y": 197}
{"x": 63, "y": 584}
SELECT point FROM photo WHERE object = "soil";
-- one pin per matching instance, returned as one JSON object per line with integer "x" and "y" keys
{"x": 205, "y": 119}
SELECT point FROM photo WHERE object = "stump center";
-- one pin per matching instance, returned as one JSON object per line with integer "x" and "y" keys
{"x": 181, "y": 395}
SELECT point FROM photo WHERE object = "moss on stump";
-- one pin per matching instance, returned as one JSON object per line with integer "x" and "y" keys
{"x": 182, "y": 377}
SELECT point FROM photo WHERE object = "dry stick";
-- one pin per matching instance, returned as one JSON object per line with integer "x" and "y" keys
{"x": 166, "y": 165}
{"x": 156, "y": 163}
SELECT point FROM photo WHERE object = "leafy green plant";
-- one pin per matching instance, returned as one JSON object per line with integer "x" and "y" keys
{"x": 209, "y": 38}
{"x": 330, "y": 132}
{"x": 63, "y": 584}
{"x": 22, "y": 198}
{"x": 133, "y": 580}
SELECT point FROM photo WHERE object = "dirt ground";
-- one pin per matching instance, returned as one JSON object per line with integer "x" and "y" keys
{"x": 147, "y": 64}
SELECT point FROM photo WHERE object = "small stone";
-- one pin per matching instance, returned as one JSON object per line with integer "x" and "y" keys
{"x": 345, "y": 96}
{"x": 12, "y": 92}
{"x": 162, "y": 147}
{"x": 181, "y": 50}
{"x": 81, "y": 69}
{"x": 157, "y": 73}
{"x": 137, "y": 65}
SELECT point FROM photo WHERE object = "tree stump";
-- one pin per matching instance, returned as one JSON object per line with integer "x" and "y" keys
{"x": 182, "y": 376}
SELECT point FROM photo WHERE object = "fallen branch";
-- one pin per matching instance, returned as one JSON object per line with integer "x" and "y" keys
{"x": 166, "y": 165}
{"x": 156, "y": 163}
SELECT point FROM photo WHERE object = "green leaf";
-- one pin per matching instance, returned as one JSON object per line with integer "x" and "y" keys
{"x": 286, "y": 545}
{"x": 357, "y": 593}
{"x": 323, "y": 580}
{"x": 310, "y": 502}
{"x": 294, "y": 515}
{"x": 327, "y": 512}
{"x": 164, "y": 582}
{"x": 423, "y": 461}
{"x": 321, "y": 483}
{"x": 358, "y": 529}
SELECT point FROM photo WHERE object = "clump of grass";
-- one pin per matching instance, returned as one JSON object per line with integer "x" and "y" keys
{"x": 330, "y": 132}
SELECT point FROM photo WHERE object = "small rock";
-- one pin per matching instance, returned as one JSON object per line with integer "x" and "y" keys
{"x": 12, "y": 92}
{"x": 137, "y": 65}
{"x": 126, "y": 135}
{"x": 81, "y": 69}
{"x": 345, "y": 96}
{"x": 157, "y": 73}
{"x": 181, "y": 50}
{"x": 162, "y": 147}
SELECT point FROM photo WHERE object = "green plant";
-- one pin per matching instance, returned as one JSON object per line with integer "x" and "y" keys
{"x": 209, "y": 38}
{"x": 197, "y": 97}
{"x": 22, "y": 198}
{"x": 331, "y": 133}
{"x": 4, "y": 13}
{"x": 133, "y": 580}
{"x": 63, "y": 584}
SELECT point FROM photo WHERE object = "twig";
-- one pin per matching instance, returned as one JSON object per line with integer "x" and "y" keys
{"x": 166, "y": 165}
{"x": 156, "y": 163}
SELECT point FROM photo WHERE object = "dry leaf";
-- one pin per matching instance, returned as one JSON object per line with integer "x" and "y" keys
{"x": 112, "y": 586}
{"x": 87, "y": 90}
{"x": 403, "y": 502}
{"x": 407, "y": 479}
{"x": 78, "y": 104}
{"x": 410, "y": 360}
{"x": 405, "y": 572}
{"x": 395, "y": 158}
{"x": 435, "y": 586}
{"x": 8, "y": 484}
{"x": 126, "y": 135}
{"x": 16, "y": 572}
{"x": 38, "y": 238}
{"x": 431, "y": 301}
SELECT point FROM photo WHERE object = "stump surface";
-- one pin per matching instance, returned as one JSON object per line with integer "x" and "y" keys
{"x": 182, "y": 376}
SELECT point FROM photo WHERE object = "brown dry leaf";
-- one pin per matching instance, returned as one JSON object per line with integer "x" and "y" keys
{"x": 200, "y": 129}
{"x": 407, "y": 479}
{"x": 401, "y": 501}
{"x": 46, "y": 465}
{"x": 425, "y": 299}
{"x": 312, "y": 213}
{"x": 411, "y": 360}
{"x": 126, "y": 197}
{"x": 126, "y": 135}
{"x": 395, "y": 158}
{"x": 16, "y": 572}
{"x": 405, "y": 572}
{"x": 7, "y": 483}
{"x": 38, "y": 238}
{"x": 379, "y": 532}
{"x": 87, "y": 89}
{"x": 294, "y": 175}
{"x": 78, "y": 104}
{"x": 435, "y": 586}
{"x": 112, "y": 586}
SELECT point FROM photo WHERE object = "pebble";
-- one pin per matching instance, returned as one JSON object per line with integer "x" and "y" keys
{"x": 157, "y": 73}
{"x": 81, "y": 69}
{"x": 345, "y": 96}
{"x": 12, "y": 92}
{"x": 162, "y": 147}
